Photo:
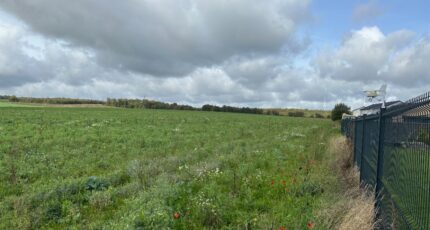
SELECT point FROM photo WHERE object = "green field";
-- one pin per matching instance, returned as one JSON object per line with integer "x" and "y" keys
{"x": 101, "y": 168}
{"x": 6, "y": 103}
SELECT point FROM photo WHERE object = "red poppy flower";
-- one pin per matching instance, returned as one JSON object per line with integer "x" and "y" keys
{"x": 310, "y": 225}
{"x": 282, "y": 228}
{"x": 176, "y": 215}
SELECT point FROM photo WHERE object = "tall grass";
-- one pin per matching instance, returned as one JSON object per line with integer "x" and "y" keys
{"x": 353, "y": 206}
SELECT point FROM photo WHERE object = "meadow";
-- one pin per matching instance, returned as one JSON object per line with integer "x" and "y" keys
{"x": 105, "y": 168}
{"x": 6, "y": 103}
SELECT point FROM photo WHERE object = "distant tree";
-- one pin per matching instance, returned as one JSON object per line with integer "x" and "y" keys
{"x": 207, "y": 107}
{"x": 13, "y": 98}
{"x": 272, "y": 112}
{"x": 318, "y": 115}
{"x": 339, "y": 110}
{"x": 296, "y": 114}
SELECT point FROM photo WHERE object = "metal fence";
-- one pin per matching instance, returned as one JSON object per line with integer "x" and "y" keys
{"x": 392, "y": 151}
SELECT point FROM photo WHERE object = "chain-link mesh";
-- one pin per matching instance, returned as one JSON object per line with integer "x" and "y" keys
{"x": 392, "y": 150}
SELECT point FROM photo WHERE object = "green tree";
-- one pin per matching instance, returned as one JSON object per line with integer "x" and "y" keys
{"x": 13, "y": 98}
{"x": 339, "y": 110}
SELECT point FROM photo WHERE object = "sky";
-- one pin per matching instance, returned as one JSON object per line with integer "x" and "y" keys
{"x": 272, "y": 53}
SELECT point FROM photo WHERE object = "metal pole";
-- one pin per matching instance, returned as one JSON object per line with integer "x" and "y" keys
{"x": 362, "y": 148}
{"x": 379, "y": 163}
{"x": 355, "y": 142}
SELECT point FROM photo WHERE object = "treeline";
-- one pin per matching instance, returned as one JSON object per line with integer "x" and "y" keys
{"x": 141, "y": 104}
{"x": 60, "y": 101}
{"x": 232, "y": 109}
{"x": 296, "y": 114}
{"x": 146, "y": 104}
{"x": 151, "y": 104}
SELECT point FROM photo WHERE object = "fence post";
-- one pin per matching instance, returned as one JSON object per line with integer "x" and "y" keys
{"x": 379, "y": 162}
{"x": 355, "y": 142}
{"x": 362, "y": 148}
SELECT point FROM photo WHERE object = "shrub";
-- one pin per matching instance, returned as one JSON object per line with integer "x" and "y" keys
{"x": 54, "y": 212}
{"x": 94, "y": 183}
{"x": 318, "y": 115}
{"x": 296, "y": 114}
{"x": 339, "y": 110}
{"x": 13, "y": 98}
{"x": 273, "y": 112}
{"x": 424, "y": 136}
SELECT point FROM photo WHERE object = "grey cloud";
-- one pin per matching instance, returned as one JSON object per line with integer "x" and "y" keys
{"x": 253, "y": 72}
{"x": 15, "y": 67}
{"x": 167, "y": 37}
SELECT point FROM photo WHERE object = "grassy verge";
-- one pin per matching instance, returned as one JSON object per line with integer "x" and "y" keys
{"x": 351, "y": 207}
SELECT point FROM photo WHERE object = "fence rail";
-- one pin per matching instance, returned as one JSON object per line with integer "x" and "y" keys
{"x": 392, "y": 151}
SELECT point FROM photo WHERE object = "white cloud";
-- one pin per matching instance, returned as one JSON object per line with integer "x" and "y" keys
{"x": 368, "y": 55}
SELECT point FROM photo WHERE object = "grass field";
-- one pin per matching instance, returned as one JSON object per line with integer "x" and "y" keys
{"x": 6, "y": 103}
{"x": 101, "y": 168}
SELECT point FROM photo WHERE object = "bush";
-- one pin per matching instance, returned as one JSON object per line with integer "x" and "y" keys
{"x": 13, "y": 98}
{"x": 53, "y": 212}
{"x": 424, "y": 136}
{"x": 318, "y": 115}
{"x": 296, "y": 114}
{"x": 272, "y": 112}
{"x": 94, "y": 183}
{"x": 339, "y": 110}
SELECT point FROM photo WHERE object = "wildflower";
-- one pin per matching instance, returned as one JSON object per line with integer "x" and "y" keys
{"x": 310, "y": 225}
{"x": 176, "y": 215}
{"x": 282, "y": 228}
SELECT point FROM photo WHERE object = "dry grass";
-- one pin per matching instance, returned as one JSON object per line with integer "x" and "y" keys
{"x": 354, "y": 207}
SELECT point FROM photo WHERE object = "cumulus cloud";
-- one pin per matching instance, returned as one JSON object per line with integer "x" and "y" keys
{"x": 166, "y": 37}
{"x": 367, "y": 55}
